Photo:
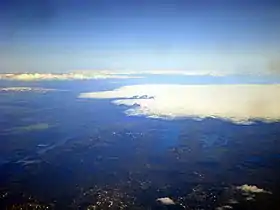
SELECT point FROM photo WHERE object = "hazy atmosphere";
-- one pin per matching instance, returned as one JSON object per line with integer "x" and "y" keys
{"x": 219, "y": 37}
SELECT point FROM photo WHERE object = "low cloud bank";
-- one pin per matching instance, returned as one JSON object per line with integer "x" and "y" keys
{"x": 66, "y": 76}
{"x": 238, "y": 103}
{"x": 170, "y": 72}
{"x": 27, "y": 89}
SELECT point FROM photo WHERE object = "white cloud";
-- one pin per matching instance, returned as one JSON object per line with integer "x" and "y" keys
{"x": 166, "y": 201}
{"x": 251, "y": 189}
{"x": 27, "y": 89}
{"x": 66, "y": 76}
{"x": 238, "y": 103}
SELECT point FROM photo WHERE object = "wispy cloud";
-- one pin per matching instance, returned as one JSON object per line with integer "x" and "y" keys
{"x": 238, "y": 103}
{"x": 224, "y": 207}
{"x": 32, "y": 127}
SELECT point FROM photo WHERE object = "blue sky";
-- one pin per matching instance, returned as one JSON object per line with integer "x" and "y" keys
{"x": 192, "y": 35}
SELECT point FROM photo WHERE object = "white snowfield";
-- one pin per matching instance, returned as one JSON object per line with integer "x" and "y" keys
{"x": 238, "y": 103}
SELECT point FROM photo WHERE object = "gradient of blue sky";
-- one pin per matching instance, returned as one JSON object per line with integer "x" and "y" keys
{"x": 193, "y": 35}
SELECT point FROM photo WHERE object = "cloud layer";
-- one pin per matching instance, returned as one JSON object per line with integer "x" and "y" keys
{"x": 66, "y": 76}
{"x": 27, "y": 89}
{"x": 238, "y": 103}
